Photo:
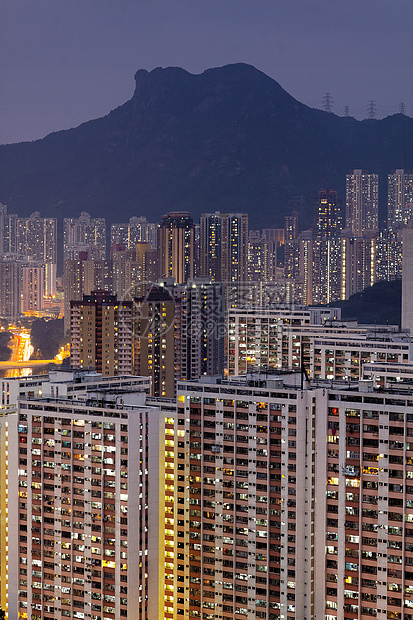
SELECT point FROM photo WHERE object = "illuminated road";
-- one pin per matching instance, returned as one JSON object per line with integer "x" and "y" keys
{"x": 25, "y": 364}
{"x": 22, "y": 350}
{"x": 20, "y": 364}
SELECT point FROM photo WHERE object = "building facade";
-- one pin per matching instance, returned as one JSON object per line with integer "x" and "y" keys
{"x": 137, "y": 230}
{"x": 199, "y": 328}
{"x": 32, "y": 288}
{"x": 81, "y": 277}
{"x": 407, "y": 280}
{"x": 224, "y": 247}
{"x": 299, "y": 500}
{"x": 84, "y": 233}
{"x": 155, "y": 341}
{"x": 358, "y": 262}
{"x": 101, "y": 334}
{"x": 399, "y": 199}
{"x": 10, "y": 287}
{"x": 328, "y": 217}
{"x": 327, "y": 349}
{"x": 88, "y": 509}
{"x": 7, "y": 231}
{"x": 362, "y": 203}
{"x": 176, "y": 247}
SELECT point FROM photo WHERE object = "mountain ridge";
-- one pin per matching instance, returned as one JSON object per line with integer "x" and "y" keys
{"x": 228, "y": 139}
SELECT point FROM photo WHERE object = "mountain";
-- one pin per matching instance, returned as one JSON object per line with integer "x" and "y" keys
{"x": 229, "y": 139}
{"x": 368, "y": 307}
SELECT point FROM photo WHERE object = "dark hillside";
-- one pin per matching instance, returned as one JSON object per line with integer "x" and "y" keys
{"x": 230, "y": 139}
{"x": 379, "y": 304}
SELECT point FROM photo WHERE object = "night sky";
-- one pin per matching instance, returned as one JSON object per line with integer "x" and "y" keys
{"x": 64, "y": 62}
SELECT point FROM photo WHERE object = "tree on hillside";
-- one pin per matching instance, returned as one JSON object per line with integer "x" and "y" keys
{"x": 378, "y": 304}
{"x": 5, "y": 350}
{"x": 47, "y": 337}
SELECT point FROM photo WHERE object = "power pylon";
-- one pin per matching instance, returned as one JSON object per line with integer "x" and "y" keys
{"x": 327, "y": 102}
{"x": 372, "y": 110}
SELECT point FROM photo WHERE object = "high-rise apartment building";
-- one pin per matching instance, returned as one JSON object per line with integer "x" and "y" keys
{"x": 367, "y": 515}
{"x": 97, "y": 275}
{"x": 389, "y": 374}
{"x": 210, "y": 253}
{"x": 36, "y": 238}
{"x": 234, "y": 252}
{"x": 155, "y": 340}
{"x": 84, "y": 233}
{"x": 255, "y": 335}
{"x": 267, "y": 496}
{"x": 88, "y": 510}
{"x": 176, "y": 242}
{"x": 399, "y": 199}
{"x": 147, "y": 260}
{"x": 101, "y": 334}
{"x": 224, "y": 247}
{"x": 73, "y": 286}
{"x": 407, "y": 280}
{"x": 129, "y": 270}
{"x": 14, "y": 530}
{"x": 70, "y": 384}
{"x": 9, "y": 505}
{"x": 33, "y": 288}
{"x": 81, "y": 277}
{"x": 199, "y": 328}
{"x": 137, "y": 230}
{"x": 389, "y": 249}
{"x": 362, "y": 202}
{"x": 328, "y": 264}
{"x": 174, "y": 332}
{"x": 242, "y": 530}
{"x": 10, "y": 286}
{"x": 262, "y": 258}
{"x": 150, "y": 262}
{"x": 179, "y": 333}
{"x": 326, "y": 269}
{"x": 328, "y": 218}
{"x": 7, "y": 231}
{"x": 305, "y": 247}
{"x": 315, "y": 338}
{"x": 299, "y": 500}
{"x": 291, "y": 253}
{"x": 358, "y": 262}
{"x": 276, "y": 235}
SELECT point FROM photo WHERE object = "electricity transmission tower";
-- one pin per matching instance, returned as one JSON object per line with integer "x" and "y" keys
{"x": 372, "y": 110}
{"x": 328, "y": 102}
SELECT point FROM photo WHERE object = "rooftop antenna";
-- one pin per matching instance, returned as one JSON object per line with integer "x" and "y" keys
{"x": 327, "y": 102}
{"x": 402, "y": 108}
{"x": 372, "y": 110}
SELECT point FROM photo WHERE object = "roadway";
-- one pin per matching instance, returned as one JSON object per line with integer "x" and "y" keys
{"x": 20, "y": 363}
{"x": 26, "y": 364}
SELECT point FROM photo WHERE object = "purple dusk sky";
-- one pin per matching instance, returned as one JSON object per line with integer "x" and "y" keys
{"x": 64, "y": 62}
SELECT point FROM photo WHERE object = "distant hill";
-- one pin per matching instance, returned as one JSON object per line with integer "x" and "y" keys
{"x": 230, "y": 139}
{"x": 379, "y": 304}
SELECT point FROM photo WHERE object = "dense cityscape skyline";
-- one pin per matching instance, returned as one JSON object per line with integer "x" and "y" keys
{"x": 214, "y": 445}
{"x": 212, "y": 433}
